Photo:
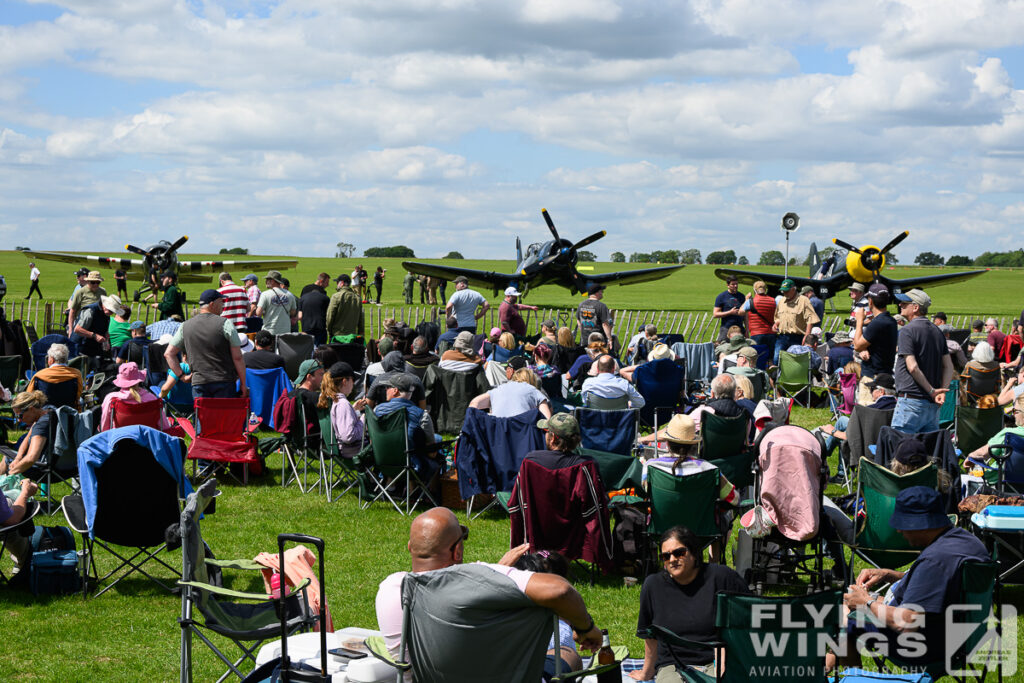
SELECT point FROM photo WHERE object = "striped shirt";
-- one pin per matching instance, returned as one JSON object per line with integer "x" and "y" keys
{"x": 253, "y": 293}
{"x": 236, "y": 304}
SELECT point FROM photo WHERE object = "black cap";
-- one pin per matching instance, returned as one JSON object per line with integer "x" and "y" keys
{"x": 209, "y": 296}
{"x": 347, "y": 279}
{"x": 594, "y": 288}
{"x": 882, "y": 380}
{"x": 341, "y": 369}
{"x": 517, "y": 362}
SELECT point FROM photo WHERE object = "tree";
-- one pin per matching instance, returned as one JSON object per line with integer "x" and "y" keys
{"x": 773, "y": 257}
{"x": 399, "y": 251}
{"x": 618, "y": 257}
{"x": 345, "y": 250}
{"x": 793, "y": 261}
{"x": 957, "y": 260}
{"x": 929, "y": 258}
{"x": 690, "y": 257}
{"x": 454, "y": 255}
{"x": 667, "y": 256}
{"x": 584, "y": 255}
{"x": 891, "y": 259}
{"x": 1000, "y": 259}
{"x": 637, "y": 257}
{"x": 744, "y": 261}
{"x": 718, "y": 258}
{"x": 235, "y": 250}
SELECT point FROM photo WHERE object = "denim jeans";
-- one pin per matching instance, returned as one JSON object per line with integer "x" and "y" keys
{"x": 916, "y": 415}
{"x": 830, "y": 441}
{"x": 783, "y": 342}
{"x": 215, "y": 390}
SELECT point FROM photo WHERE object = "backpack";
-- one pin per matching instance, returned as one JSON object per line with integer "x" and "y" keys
{"x": 627, "y": 538}
{"x": 46, "y": 538}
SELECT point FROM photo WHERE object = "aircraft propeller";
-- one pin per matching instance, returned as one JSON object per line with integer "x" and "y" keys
{"x": 158, "y": 259}
{"x": 872, "y": 258}
{"x": 563, "y": 250}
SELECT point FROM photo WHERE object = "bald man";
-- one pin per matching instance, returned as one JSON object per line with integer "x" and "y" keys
{"x": 437, "y": 541}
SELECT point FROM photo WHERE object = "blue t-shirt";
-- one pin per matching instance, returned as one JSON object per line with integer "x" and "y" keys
{"x": 839, "y": 356}
{"x": 881, "y": 333}
{"x": 464, "y": 303}
{"x": 727, "y": 301}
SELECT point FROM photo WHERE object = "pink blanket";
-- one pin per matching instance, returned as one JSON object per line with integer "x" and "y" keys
{"x": 790, "y": 459}
{"x": 299, "y": 563}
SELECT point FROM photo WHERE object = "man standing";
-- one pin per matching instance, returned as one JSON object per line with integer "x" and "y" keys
{"x": 593, "y": 315}
{"x": 464, "y": 304}
{"x": 761, "y": 315}
{"x": 91, "y": 327}
{"x": 344, "y": 312}
{"x": 408, "y": 282}
{"x": 121, "y": 278}
{"x": 236, "y": 303}
{"x": 508, "y": 313}
{"x": 90, "y": 293}
{"x": 252, "y": 293}
{"x": 729, "y": 308}
{"x": 794, "y": 319}
{"x": 313, "y": 308}
{"x": 213, "y": 349}
{"x": 277, "y": 306}
{"x": 923, "y": 367}
{"x": 33, "y": 275}
{"x": 437, "y": 542}
{"x": 174, "y": 298}
{"x": 816, "y": 303}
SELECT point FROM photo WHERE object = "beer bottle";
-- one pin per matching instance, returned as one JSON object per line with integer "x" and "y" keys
{"x": 605, "y": 656}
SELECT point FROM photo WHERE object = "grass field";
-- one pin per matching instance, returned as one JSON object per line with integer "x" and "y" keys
{"x": 131, "y": 633}
{"x": 691, "y": 289}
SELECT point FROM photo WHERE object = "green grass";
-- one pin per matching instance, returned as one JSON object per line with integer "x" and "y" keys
{"x": 131, "y": 633}
{"x": 691, "y": 289}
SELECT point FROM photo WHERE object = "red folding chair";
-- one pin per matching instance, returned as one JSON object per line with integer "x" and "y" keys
{"x": 222, "y": 436}
{"x": 126, "y": 414}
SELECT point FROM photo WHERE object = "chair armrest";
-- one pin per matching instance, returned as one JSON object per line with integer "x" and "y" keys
{"x": 377, "y": 648}
{"x": 226, "y": 592}
{"x": 621, "y": 653}
{"x": 234, "y": 564}
{"x": 660, "y": 632}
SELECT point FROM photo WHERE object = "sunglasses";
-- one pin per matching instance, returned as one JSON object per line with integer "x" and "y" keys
{"x": 463, "y": 536}
{"x": 679, "y": 553}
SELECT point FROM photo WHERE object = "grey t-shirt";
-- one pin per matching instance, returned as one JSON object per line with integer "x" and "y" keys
{"x": 278, "y": 305}
{"x": 514, "y": 398}
{"x": 592, "y": 314}
{"x": 464, "y": 303}
{"x": 922, "y": 340}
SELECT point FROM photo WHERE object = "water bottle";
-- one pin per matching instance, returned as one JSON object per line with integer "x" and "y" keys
{"x": 275, "y": 586}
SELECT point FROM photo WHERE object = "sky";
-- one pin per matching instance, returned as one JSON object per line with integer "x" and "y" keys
{"x": 287, "y": 127}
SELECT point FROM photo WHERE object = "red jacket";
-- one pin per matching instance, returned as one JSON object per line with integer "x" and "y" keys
{"x": 564, "y": 510}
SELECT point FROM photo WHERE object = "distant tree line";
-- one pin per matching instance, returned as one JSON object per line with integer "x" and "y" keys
{"x": 238, "y": 251}
{"x": 988, "y": 259}
{"x": 398, "y": 251}
{"x": 687, "y": 256}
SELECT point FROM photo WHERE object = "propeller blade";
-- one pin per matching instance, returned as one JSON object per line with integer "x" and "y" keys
{"x": 519, "y": 251}
{"x": 177, "y": 245}
{"x": 551, "y": 223}
{"x": 589, "y": 240}
{"x": 895, "y": 240}
{"x": 845, "y": 245}
{"x": 135, "y": 250}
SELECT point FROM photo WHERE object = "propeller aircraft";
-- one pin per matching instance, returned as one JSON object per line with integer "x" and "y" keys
{"x": 548, "y": 263}
{"x": 843, "y": 267}
{"x": 157, "y": 259}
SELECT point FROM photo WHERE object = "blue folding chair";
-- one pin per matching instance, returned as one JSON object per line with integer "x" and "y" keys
{"x": 40, "y": 347}
{"x": 660, "y": 382}
{"x": 611, "y": 431}
{"x": 265, "y": 387}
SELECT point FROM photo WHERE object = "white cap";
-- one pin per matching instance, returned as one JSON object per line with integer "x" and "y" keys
{"x": 512, "y": 291}
{"x": 816, "y": 331}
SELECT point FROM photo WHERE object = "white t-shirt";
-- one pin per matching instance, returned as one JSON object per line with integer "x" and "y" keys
{"x": 34, "y": 273}
{"x": 465, "y": 302}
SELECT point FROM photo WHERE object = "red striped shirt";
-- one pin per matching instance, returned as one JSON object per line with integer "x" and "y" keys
{"x": 236, "y": 304}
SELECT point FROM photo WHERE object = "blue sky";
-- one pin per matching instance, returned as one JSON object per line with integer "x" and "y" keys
{"x": 289, "y": 126}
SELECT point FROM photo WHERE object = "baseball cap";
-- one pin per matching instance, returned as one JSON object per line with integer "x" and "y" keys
{"x": 919, "y": 507}
{"x": 461, "y": 278}
{"x": 344, "y": 277}
{"x": 341, "y": 369}
{"x": 250, "y": 276}
{"x": 878, "y": 291}
{"x": 807, "y": 289}
{"x": 562, "y": 424}
{"x": 786, "y": 285}
{"x": 915, "y": 296}
{"x": 82, "y": 272}
{"x": 307, "y": 368}
{"x": 517, "y": 362}
{"x": 209, "y": 296}
{"x": 747, "y": 352}
{"x": 882, "y": 380}
{"x": 402, "y": 381}
{"x": 137, "y": 325}
{"x": 594, "y": 288}
{"x": 512, "y": 291}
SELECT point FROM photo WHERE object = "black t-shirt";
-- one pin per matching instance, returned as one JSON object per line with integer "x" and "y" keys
{"x": 687, "y": 611}
{"x": 309, "y": 288}
{"x": 134, "y": 350}
{"x": 726, "y": 301}
{"x": 881, "y": 334}
{"x": 313, "y": 306}
{"x": 261, "y": 359}
{"x": 120, "y": 275}
{"x": 922, "y": 340}
{"x": 556, "y": 460}
{"x": 593, "y": 314}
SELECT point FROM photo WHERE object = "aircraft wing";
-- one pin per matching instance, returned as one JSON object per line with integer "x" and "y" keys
{"x": 481, "y": 278}
{"x": 926, "y": 281}
{"x": 135, "y": 268}
{"x": 195, "y": 267}
{"x": 630, "y": 277}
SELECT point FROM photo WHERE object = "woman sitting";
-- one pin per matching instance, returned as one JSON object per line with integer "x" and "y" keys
{"x": 336, "y": 387}
{"x": 596, "y": 347}
{"x": 541, "y": 365}
{"x": 565, "y": 353}
{"x": 683, "y": 443}
{"x": 31, "y": 409}
{"x": 980, "y": 377}
{"x": 682, "y": 599}
{"x": 505, "y": 349}
{"x": 131, "y": 380}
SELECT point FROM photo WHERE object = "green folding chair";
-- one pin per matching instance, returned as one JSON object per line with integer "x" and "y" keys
{"x": 724, "y": 445}
{"x": 387, "y": 464}
{"x": 947, "y": 412}
{"x": 338, "y": 472}
{"x": 689, "y": 501}
{"x": 975, "y": 426}
{"x": 618, "y": 472}
{"x": 10, "y": 372}
{"x": 794, "y": 377}
{"x": 874, "y": 540}
{"x": 795, "y": 626}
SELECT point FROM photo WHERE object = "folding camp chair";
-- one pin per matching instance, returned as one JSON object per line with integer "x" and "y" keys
{"x": 131, "y": 479}
{"x": 10, "y": 372}
{"x": 59, "y": 460}
{"x": 794, "y": 376}
{"x": 875, "y": 541}
{"x": 1009, "y": 458}
{"x": 661, "y": 383}
{"x": 221, "y": 436}
{"x": 265, "y": 388}
{"x": 975, "y": 426}
{"x": 978, "y": 382}
{"x": 468, "y": 623}
{"x": 295, "y": 347}
{"x": 22, "y": 528}
{"x": 300, "y": 448}
{"x": 689, "y": 500}
{"x": 388, "y": 465}
{"x": 208, "y": 606}
{"x": 552, "y": 386}
{"x": 417, "y": 370}
{"x": 724, "y": 445}
{"x": 40, "y": 346}
{"x": 699, "y": 359}
{"x": 449, "y": 393}
{"x": 125, "y": 414}
{"x": 862, "y": 431}
{"x": 81, "y": 363}
{"x": 30, "y": 332}
{"x": 947, "y": 412}
{"x": 600, "y": 403}
{"x": 59, "y": 393}
{"x": 611, "y": 430}
{"x": 339, "y": 472}
{"x": 798, "y": 625}
{"x": 842, "y": 394}
{"x": 618, "y": 472}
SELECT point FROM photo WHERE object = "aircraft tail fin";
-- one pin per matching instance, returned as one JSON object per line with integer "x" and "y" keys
{"x": 519, "y": 251}
{"x": 813, "y": 260}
